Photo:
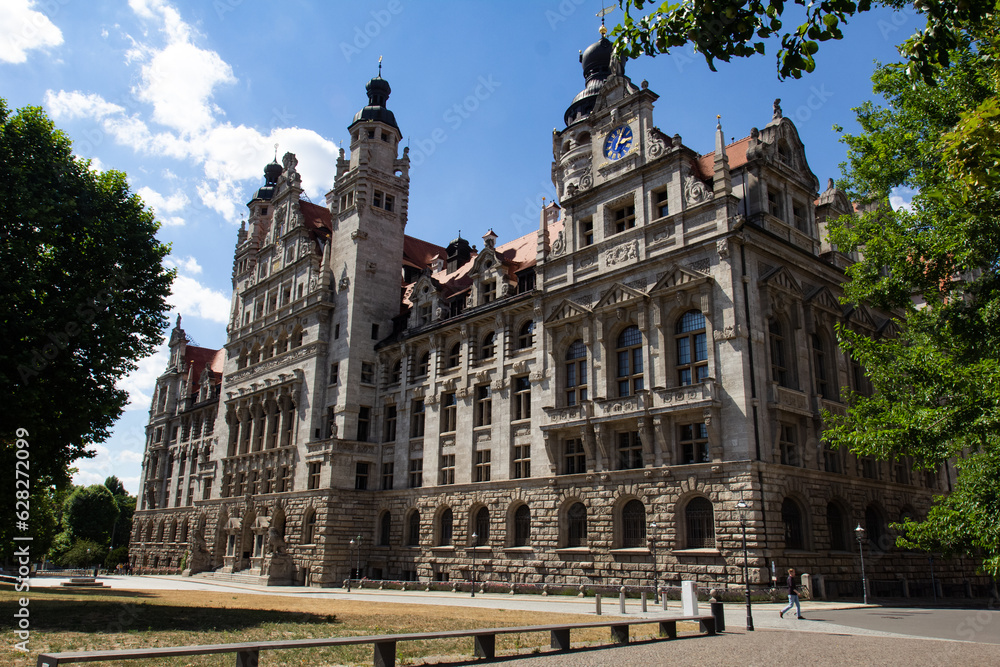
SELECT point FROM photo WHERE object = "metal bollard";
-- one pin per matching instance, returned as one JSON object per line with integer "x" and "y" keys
{"x": 720, "y": 615}
{"x": 597, "y": 600}
{"x": 663, "y": 598}
{"x": 621, "y": 602}
{"x": 644, "y": 602}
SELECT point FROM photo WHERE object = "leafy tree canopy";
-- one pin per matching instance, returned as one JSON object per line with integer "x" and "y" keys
{"x": 90, "y": 513}
{"x": 83, "y": 291}
{"x": 937, "y": 385}
{"x": 724, "y": 29}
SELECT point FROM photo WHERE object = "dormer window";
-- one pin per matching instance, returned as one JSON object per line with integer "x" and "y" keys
{"x": 424, "y": 314}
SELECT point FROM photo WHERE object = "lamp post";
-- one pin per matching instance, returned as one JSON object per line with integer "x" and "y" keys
{"x": 475, "y": 540}
{"x": 859, "y": 532}
{"x": 744, "y": 509}
{"x": 358, "y": 556}
{"x": 652, "y": 551}
{"x": 350, "y": 552}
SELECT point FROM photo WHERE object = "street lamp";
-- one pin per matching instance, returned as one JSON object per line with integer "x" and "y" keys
{"x": 744, "y": 510}
{"x": 475, "y": 540}
{"x": 350, "y": 552}
{"x": 652, "y": 551}
{"x": 358, "y": 557}
{"x": 859, "y": 532}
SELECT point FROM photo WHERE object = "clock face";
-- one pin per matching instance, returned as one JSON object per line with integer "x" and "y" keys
{"x": 618, "y": 143}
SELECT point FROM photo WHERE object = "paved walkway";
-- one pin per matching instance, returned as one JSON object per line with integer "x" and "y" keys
{"x": 830, "y": 634}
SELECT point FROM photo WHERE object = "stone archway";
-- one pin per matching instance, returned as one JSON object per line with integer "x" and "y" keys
{"x": 245, "y": 542}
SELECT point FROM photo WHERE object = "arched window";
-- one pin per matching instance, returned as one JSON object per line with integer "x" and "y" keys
{"x": 836, "y": 524}
{"x": 488, "y": 349}
{"x": 692, "y": 348}
{"x": 522, "y": 526}
{"x": 384, "y": 529}
{"x": 149, "y": 532}
{"x": 396, "y": 371}
{"x": 576, "y": 373}
{"x": 282, "y": 344}
{"x": 255, "y": 354}
{"x": 268, "y": 349}
{"x": 791, "y": 516}
{"x": 446, "y": 526}
{"x": 455, "y": 355}
{"x": 875, "y": 529}
{"x": 576, "y": 525}
{"x": 297, "y": 338}
{"x": 173, "y": 531}
{"x": 633, "y": 525}
{"x": 699, "y": 521}
{"x": 482, "y": 526}
{"x": 159, "y": 532}
{"x": 184, "y": 532}
{"x": 629, "y": 350}
{"x": 309, "y": 527}
{"x": 779, "y": 368}
{"x": 244, "y": 359}
{"x": 423, "y": 365}
{"x": 526, "y": 335}
{"x": 413, "y": 529}
{"x": 824, "y": 387}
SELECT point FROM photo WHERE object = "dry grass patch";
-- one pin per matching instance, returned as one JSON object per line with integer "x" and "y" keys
{"x": 82, "y": 620}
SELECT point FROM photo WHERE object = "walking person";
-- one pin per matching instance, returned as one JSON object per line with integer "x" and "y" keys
{"x": 793, "y": 596}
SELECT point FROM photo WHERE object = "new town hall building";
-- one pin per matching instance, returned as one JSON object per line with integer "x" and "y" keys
{"x": 583, "y": 405}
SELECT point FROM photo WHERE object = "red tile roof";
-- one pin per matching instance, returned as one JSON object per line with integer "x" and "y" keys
{"x": 736, "y": 152}
{"x": 317, "y": 218}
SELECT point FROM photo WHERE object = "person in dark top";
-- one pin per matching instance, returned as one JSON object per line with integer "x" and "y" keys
{"x": 793, "y": 597}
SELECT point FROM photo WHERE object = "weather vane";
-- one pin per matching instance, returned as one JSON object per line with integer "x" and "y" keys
{"x": 380, "y": 66}
{"x": 601, "y": 14}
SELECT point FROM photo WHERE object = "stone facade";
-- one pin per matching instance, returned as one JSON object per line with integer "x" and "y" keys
{"x": 583, "y": 405}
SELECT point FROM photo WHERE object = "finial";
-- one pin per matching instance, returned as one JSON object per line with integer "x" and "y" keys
{"x": 604, "y": 12}
{"x": 380, "y": 67}
{"x": 276, "y": 152}
{"x": 718, "y": 121}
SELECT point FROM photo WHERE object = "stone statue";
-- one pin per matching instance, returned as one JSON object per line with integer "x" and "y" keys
{"x": 199, "y": 557}
{"x": 275, "y": 541}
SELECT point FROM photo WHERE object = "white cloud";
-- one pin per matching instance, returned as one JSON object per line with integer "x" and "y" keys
{"x": 129, "y": 456}
{"x": 68, "y": 105}
{"x": 161, "y": 204}
{"x": 140, "y": 382}
{"x": 22, "y": 29}
{"x": 189, "y": 264}
{"x": 901, "y": 199}
{"x": 191, "y": 298}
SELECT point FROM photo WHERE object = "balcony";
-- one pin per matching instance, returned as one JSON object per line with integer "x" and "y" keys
{"x": 574, "y": 415}
{"x": 681, "y": 398}
{"x": 788, "y": 399}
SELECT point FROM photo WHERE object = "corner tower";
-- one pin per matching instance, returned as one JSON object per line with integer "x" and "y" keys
{"x": 368, "y": 207}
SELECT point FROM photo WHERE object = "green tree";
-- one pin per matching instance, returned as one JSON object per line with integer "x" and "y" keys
{"x": 84, "y": 553}
{"x": 83, "y": 291}
{"x": 90, "y": 513}
{"x": 724, "y": 29}
{"x": 122, "y": 532}
{"x": 937, "y": 385}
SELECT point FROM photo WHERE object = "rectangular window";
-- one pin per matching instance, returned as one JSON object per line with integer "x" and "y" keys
{"x": 389, "y": 434}
{"x": 424, "y": 315}
{"x": 484, "y": 405}
{"x": 869, "y": 468}
{"x": 624, "y": 218}
{"x": 629, "y": 450}
{"x": 336, "y": 331}
{"x": 831, "y": 459}
{"x": 390, "y": 201}
{"x": 447, "y": 473}
{"x": 662, "y": 207}
{"x": 901, "y": 471}
{"x": 367, "y": 372}
{"x": 482, "y": 465}
{"x": 489, "y": 291}
{"x": 787, "y": 444}
{"x": 416, "y": 473}
{"x": 387, "y": 475}
{"x": 799, "y": 217}
{"x": 361, "y": 476}
{"x": 374, "y": 332}
{"x": 335, "y": 373}
{"x": 364, "y": 422}
{"x": 694, "y": 443}
{"x": 315, "y": 469}
{"x": 522, "y": 398}
{"x": 774, "y": 204}
{"x": 417, "y": 418}
{"x": 574, "y": 458}
{"x": 522, "y": 461}
{"x": 449, "y": 412}
{"x": 377, "y": 199}
{"x": 587, "y": 232}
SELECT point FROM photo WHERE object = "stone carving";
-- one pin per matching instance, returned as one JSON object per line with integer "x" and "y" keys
{"x": 499, "y": 384}
{"x": 654, "y": 141}
{"x": 587, "y": 180}
{"x": 343, "y": 283}
{"x": 359, "y": 234}
{"x": 622, "y": 253}
{"x": 722, "y": 247}
{"x": 482, "y": 377}
{"x": 559, "y": 245}
{"x": 290, "y": 162}
{"x": 777, "y": 110}
{"x": 537, "y": 376}
{"x": 695, "y": 191}
{"x": 275, "y": 541}
{"x": 200, "y": 558}
{"x": 587, "y": 262}
{"x": 519, "y": 367}
{"x": 729, "y": 332}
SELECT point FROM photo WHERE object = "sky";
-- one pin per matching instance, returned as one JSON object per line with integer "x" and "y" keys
{"x": 189, "y": 98}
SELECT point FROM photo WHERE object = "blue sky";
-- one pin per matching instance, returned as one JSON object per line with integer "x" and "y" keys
{"x": 188, "y": 98}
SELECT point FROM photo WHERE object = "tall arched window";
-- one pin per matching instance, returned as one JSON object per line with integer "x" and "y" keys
{"x": 824, "y": 387}
{"x": 699, "y": 522}
{"x": 384, "y": 529}
{"x": 576, "y": 373}
{"x": 309, "y": 527}
{"x": 413, "y": 529}
{"x": 526, "y": 335}
{"x": 779, "y": 368}
{"x": 446, "y": 526}
{"x": 875, "y": 529}
{"x": 522, "y": 526}
{"x": 482, "y": 527}
{"x": 576, "y": 525}
{"x": 423, "y": 365}
{"x": 836, "y": 525}
{"x": 629, "y": 351}
{"x": 455, "y": 355}
{"x": 791, "y": 516}
{"x": 633, "y": 525}
{"x": 396, "y": 371}
{"x": 488, "y": 349}
{"x": 692, "y": 348}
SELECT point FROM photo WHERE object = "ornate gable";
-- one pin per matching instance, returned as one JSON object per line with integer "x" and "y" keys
{"x": 780, "y": 278}
{"x": 566, "y": 311}
{"x": 822, "y": 297}
{"x": 618, "y": 294}
{"x": 862, "y": 317}
{"x": 679, "y": 277}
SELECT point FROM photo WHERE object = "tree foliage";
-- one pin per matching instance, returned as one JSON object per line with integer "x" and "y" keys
{"x": 90, "y": 513}
{"x": 82, "y": 289}
{"x": 83, "y": 553}
{"x": 938, "y": 383}
{"x": 724, "y": 29}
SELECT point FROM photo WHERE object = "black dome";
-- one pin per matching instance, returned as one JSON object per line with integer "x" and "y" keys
{"x": 378, "y": 92}
{"x": 272, "y": 172}
{"x": 596, "y": 60}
